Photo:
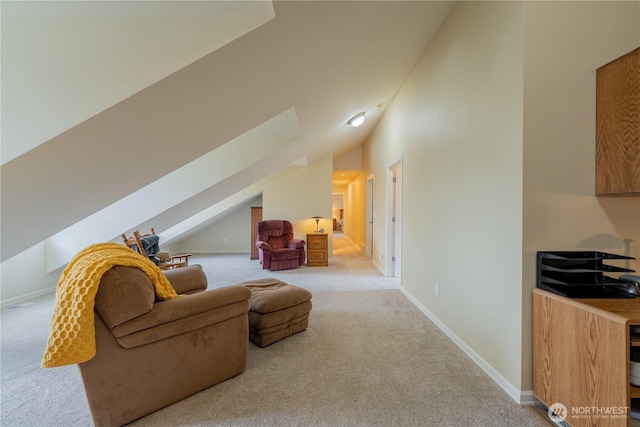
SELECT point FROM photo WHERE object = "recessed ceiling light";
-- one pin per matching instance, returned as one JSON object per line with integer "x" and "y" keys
{"x": 356, "y": 120}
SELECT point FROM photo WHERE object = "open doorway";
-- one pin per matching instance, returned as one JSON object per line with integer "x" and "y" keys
{"x": 338, "y": 213}
{"x": 368, "y": 252}
{"x": 343, "y": 246}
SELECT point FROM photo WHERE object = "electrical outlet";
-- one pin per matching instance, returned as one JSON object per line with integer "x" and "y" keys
{"x": 436, "y": 289}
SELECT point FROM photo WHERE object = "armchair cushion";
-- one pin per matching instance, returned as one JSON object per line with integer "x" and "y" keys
{"x": 284, "y": 254}
{"x": 184, "y": 314}
{"x": 277, "y": 242}
{"x": 270, "y": 295}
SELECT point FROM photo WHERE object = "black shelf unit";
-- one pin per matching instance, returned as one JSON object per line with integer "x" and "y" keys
{"x": 581, "y": 274}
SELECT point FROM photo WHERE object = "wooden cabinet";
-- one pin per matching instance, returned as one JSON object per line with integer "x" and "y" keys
{"x": 618, "y": 126}
{"x": 317, "y": 250}
{"x": 581, "y": 357}
{"x": 256, "y": 217}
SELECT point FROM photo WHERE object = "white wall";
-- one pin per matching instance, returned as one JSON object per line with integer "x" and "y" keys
{"x": 457, "y": 125}
{"x": 299, "y": 193}
{"x": 355, "y": 213}
{"x": 565, "y": 42}
{"x": 496, "y": 126}
{"x": 294, "y": 193}
{"x": 353, "y": 197}
{"x": 351, "y": 160}
{"x": 230, "y": 233}
{"x": 25, "y": 276}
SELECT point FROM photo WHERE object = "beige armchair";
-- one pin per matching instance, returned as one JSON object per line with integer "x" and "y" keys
{"x": 151, "y": 354}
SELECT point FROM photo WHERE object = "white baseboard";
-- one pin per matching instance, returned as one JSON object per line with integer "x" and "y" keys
{"x": 521, "y": 397}
{"x": 380, "y": 268}
{"x": 527, "y": 398}
{"x": 26, "y": 297}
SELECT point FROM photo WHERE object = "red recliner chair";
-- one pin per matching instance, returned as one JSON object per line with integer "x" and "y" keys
{"x": 277, "y": 249}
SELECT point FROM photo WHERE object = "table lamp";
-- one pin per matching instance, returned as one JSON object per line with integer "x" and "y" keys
{"x": 317, "y": 218}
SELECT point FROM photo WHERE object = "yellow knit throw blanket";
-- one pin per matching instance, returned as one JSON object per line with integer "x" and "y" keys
{"x": 72, "y": 336}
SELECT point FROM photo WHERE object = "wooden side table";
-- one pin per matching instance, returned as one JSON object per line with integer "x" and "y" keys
{"x": 317, "y": 250}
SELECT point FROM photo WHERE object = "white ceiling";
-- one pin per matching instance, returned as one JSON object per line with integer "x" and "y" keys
{"x": 327, "y": 60}
{"x": 344, "y": 177}
{"x": 65, "y": 61}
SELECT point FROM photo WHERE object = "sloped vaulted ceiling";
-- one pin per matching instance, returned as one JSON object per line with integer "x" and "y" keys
{"x": 328, "y": 60}
{"x": 65, "y": 61}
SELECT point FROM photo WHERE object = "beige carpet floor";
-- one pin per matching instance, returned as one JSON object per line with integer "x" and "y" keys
{"x": 368, "y": 358}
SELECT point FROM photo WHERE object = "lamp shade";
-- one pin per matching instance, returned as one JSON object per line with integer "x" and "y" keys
{"x": 356, "y": 120}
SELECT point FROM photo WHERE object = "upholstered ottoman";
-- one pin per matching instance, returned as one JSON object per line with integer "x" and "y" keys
{"x": 277, "y": 310}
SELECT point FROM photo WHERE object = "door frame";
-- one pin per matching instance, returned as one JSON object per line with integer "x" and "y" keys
{"x": 394, "y": 219}
{"x": 368, "y": 251}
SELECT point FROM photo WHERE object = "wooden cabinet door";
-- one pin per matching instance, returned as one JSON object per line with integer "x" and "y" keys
{"x": 256, "y": 217}
{"x": 618, "y": 126}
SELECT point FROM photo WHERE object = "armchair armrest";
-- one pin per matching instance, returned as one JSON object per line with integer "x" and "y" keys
{"x": 295, "y": 243}
{"x": 261, "y": 244}
{"x": 186, "y": 280}
{"x": 184, "y": 314}
{"x": 181, "y": 258}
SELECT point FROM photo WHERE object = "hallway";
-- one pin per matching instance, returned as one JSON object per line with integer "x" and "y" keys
{"x": 343, "y": 247}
